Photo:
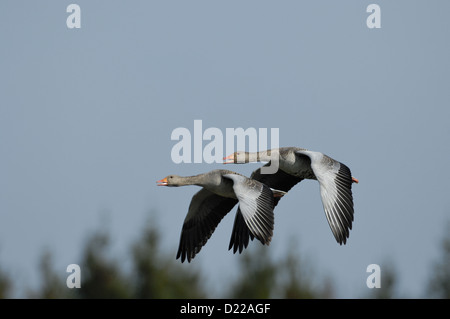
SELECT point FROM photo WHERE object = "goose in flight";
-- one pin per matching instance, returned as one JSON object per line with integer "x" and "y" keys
{"x": 221, "y": 191}
{"x": 295, "y": 164}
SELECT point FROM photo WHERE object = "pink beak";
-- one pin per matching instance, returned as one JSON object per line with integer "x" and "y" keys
{"x": 229, "y": 159}
{"x": 162, "y": 182}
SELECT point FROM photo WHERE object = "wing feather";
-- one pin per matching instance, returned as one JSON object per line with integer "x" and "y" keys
{"x": 256, "y": 205}
{"x": 280, "y": 180}
{"x": 335, "y": 181}
{"x": 206, "y": 210}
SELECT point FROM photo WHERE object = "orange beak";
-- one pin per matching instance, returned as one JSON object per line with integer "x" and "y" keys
{"x": 229, "y": 159}
{"x": 162, "y": 182}
{"x": 354, "y": 180}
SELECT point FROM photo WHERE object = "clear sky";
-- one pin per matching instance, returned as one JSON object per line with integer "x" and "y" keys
{"x": 86, "y": 117}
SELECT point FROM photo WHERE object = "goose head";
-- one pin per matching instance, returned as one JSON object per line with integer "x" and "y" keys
{"x": 171, "y": 180}
{"x": 236, "y": 158}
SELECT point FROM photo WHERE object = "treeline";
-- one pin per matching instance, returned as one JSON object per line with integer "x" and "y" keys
{"x": 154, "y": 274}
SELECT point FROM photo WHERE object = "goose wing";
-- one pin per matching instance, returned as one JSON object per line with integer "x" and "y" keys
{"x": 206, "y": 210}
{"x": 280, "y": 180}
{"x": 335, "y": 181}
{"x": 240, "y": 235}
{"x": 255, "y": 206}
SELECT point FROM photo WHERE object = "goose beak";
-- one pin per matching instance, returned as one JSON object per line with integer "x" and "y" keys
{"x": 229, "y": 159}
{"x": 355, "y": 180}
{"x": 162, "y": 182}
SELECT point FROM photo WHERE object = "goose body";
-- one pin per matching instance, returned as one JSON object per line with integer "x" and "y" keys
{"x": 221, "y": 191}
{"x": 296, "y": 164}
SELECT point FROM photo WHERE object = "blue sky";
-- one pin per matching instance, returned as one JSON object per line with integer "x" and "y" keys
{"x": 86, "y": 117}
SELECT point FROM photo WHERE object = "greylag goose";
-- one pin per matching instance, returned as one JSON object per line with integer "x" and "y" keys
{"x": 296, "y": 164}
{"x": 222, "y": 189}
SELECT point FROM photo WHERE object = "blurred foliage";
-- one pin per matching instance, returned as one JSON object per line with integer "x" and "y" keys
{"x": 52, "y": 286}
{"x": 388, "y": 283}
{"x": 439, "y": 285}
{"x": 161, "y": 276}
{"x": 260, "y": 277}
{"x": 101, "y": 275}
{"x": 152, "y": 273}
{"x": 257, "y": 275}
{"x": 5, "y": 285}
{"x": 298, "y": 282}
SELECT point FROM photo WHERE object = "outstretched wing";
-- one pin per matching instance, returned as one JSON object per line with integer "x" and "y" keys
{"x": 205, "y": 213}
{"x": 240, "y": 234}
{"x": 256, "y": 206}
{"x": 280, "y": 180}
{"x": 335, "y": 181}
